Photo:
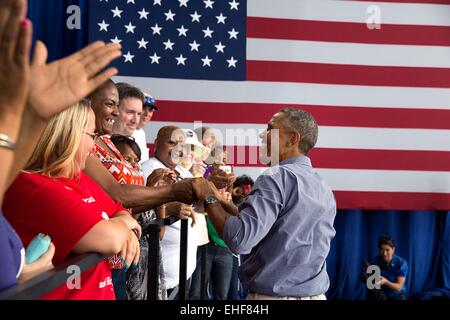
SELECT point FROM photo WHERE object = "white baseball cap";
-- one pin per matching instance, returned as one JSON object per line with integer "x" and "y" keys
{"x": 192, "y": 139}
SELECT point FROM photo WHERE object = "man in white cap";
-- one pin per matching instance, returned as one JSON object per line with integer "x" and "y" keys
{"x": 139, "y": 135}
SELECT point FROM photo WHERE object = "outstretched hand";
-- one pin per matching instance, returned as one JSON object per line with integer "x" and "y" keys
{"x": 203, "y": 189}
{"x": 58, "y": 85}
{"x": 161, "y": 177}
{"x": 221, "y": 179}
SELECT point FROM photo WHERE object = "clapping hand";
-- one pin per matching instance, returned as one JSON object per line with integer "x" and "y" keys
{"x": 15, "y": 44}
{"x": 56, "y": 86}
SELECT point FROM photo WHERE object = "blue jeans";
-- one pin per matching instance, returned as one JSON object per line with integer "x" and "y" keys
{"x": 233, "y": 293}
{"x": 219, "y": 269}
{"x": 119, "y": 279}
{"x": 196, "y": 280}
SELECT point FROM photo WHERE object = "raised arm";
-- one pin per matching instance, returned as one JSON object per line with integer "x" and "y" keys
{"x": 56, "y": 86}
{"x": 15, "y": 42}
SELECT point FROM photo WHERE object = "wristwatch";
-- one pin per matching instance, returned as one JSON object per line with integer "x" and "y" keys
{"x": 209, "y": 201}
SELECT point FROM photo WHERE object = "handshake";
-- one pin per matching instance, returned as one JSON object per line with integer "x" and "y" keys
{"x": 217, "y": 180}
{"x": 192, "y": 190}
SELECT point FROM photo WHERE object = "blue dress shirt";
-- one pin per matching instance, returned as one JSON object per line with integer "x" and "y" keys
{"x": 287, "y": 224}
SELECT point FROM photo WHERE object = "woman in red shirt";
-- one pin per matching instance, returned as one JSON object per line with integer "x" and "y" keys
{"x": 53, "y": 196}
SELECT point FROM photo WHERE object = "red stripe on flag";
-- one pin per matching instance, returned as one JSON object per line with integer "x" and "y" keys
{"x": 391, "y": 200}
{"x": 348, "y": 74}
{"x": 381, "y": 159}
{"x": 259, "y": 113}
{"x": 288, "y": 29}
{"x": 248, "y": 156}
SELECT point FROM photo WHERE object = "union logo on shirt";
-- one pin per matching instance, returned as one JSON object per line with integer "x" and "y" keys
{"x": 107, "y": 282}
{"x": 89, "y": 200}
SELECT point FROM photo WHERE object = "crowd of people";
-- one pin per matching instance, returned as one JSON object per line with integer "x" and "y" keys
{"x": 76, "y": 168}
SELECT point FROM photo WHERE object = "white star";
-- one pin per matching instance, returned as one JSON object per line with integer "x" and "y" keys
{"x": 232, "y": 62}
{"x": 182, "y": 31}
{"x": 168, "y": 45}
{"x": 156, "y": 29}
{"x": 103, "y": 26}
{"x": 130, "y": 28}
{"x": 117, "y": 12}
{"x": 143, "y": 14}
{"x": 196, "y": 17}
{"x": 234, "y": 5}
{"x": 157, "y": 2}
{"x": 207, "y": 61}
{"x": 155, "y": 58}
{"x": 208, "y": 32}
{"x": 181, "y": 60}
{"x": 221, "y": 18}
{"x": 128, "y": 57}
{"x": 233, "y": 34}
{"x": 194, "y": 46}
{"x": 220, "y": 47}
{"x": 130, "y": 1}
{"x": 142, "y": 43}
{"x": 170, "y": 15}
{"x": 183, "y": 3}
{"x": 116, "y": 40}
{"x": 208, "y": 3}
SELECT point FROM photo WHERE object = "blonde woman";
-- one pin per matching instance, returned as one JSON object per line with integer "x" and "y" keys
{"x": 53, "y": 196}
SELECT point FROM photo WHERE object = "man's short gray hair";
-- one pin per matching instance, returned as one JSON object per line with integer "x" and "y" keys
{"x": 303, "y": 122}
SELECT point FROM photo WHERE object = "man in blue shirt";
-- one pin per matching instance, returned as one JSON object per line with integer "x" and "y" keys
{"x": 393, "y": 271}
{"x": 286, "y": 222}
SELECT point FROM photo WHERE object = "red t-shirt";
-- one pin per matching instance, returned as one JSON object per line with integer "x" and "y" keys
{"x": 65, "y": 209}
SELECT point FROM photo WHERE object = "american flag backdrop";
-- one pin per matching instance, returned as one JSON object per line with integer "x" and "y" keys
{"x": 379, "y": 89}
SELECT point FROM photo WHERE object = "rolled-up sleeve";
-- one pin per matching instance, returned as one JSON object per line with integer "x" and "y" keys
{"x": 256, "y": 215}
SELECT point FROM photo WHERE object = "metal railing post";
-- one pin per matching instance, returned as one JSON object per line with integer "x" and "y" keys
{"x": 182, "y": 293}
{"x": 153, "y": 262}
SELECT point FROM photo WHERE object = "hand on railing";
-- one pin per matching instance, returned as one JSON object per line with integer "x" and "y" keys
{"x": 130, "y": 222}
{"x": 131, "y": 250}
{"x": 181, "y": 211}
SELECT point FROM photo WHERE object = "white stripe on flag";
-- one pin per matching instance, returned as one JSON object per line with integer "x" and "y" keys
{"x": 351, "y": 11}
{"x": 374, "y": 180}
{"x": 348, "y": 53}
{"x": 330, "y": 137}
